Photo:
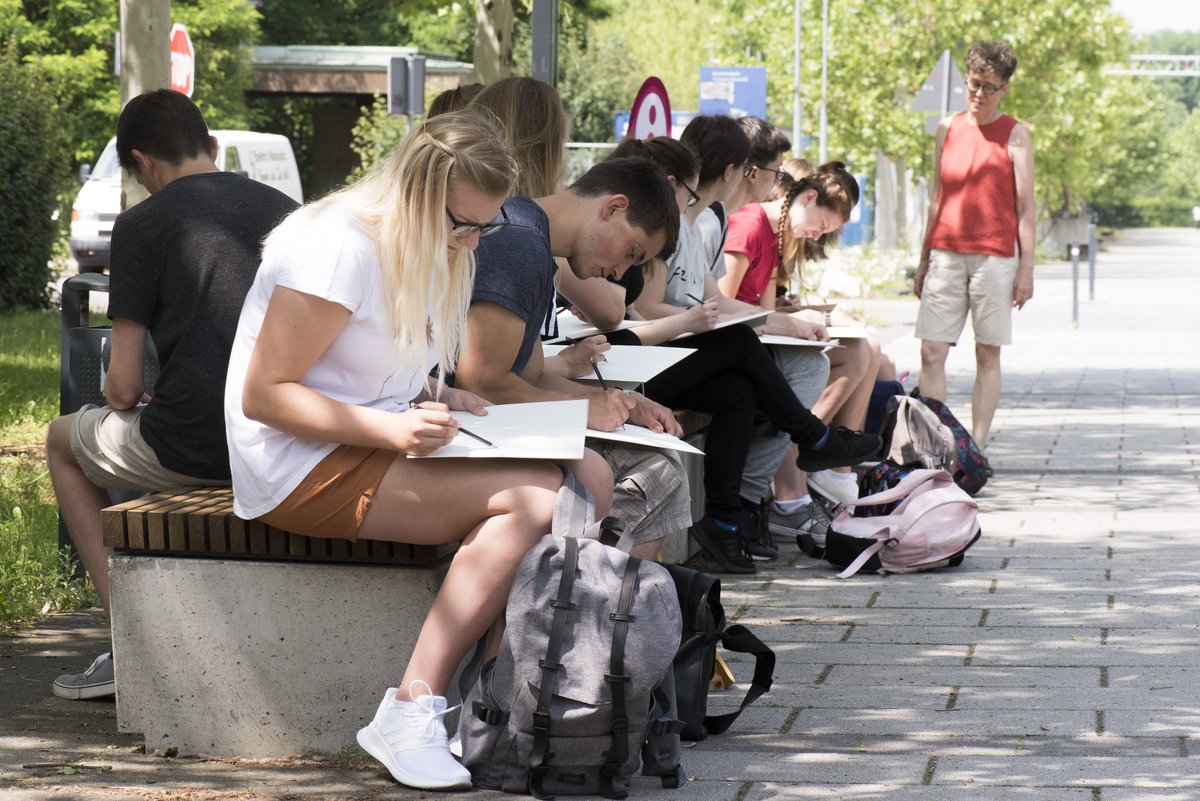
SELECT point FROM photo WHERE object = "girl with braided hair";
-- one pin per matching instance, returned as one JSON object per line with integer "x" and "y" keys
{"x": 764, "y": 241}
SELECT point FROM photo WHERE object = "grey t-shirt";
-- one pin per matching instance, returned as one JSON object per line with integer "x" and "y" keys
{"x": 515, "y": 269}
{"x": 182, "y": 262}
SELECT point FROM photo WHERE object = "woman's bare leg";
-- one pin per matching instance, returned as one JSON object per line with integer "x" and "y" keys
{"x": 499, "y": 509}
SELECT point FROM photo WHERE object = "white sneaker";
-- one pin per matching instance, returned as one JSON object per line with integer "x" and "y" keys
{"x": 409, "y": 738}
{"x": 98, "y": 681}
{"x": 840, "y": 488}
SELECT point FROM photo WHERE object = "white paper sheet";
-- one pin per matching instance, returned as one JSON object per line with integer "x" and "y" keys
{"x": 786, "y": 341}
{"x": 550, "y": 430}
{"x": 571, "y": 326}
{"x": 753, "y": 319}
{"x": 637, "y": 435}
{"x": 629, "y": 364}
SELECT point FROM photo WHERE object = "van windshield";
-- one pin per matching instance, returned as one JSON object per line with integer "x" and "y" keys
{"x": 107, "y": 165}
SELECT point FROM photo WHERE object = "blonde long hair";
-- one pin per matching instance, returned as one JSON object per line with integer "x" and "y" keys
{"x": 537, "y": 126}
{"x": 402, "y": 207}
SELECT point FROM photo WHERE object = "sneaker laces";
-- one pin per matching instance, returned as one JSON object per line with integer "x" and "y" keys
{"x": 96, "y": 663}
{"x": 434, "y": 728}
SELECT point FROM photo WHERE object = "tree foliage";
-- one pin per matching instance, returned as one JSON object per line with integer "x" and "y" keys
{"x": 33, "y": 164}
{"x": 71, "y": 42}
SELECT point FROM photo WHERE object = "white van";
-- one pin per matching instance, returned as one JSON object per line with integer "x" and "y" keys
{"x": 266, "y": 158}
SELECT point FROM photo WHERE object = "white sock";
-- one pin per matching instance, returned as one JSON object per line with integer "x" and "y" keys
{"x": 787, "y": 507}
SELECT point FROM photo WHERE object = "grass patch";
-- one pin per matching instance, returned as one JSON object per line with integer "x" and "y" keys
{"x": 35, "y": 576}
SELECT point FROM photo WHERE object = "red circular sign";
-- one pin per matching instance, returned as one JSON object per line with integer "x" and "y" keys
{"x": 183, "y": 61}
{"x": 650, "y": 115}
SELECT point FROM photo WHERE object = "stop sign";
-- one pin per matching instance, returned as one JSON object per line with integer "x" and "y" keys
{"x": 183, "y": 61}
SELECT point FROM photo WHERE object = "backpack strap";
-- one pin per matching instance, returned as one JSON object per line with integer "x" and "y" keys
{"x": 741, "y": 640}
{"x": 719, "y": 209}
{"x": 539, "y": 757}
{"x": 864, "y": 557}
{"x": 617, "y": 681}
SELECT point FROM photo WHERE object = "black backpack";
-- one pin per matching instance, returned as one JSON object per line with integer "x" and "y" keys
{"x": 703, "y": 629}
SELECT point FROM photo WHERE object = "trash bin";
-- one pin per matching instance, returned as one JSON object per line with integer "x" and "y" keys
{"x": 83, "y": 360}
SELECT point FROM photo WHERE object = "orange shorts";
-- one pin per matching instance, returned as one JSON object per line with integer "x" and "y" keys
{"x": 334, "y": 497}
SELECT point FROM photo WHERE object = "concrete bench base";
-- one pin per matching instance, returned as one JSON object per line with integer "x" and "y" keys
{"x": 259, "y": 659}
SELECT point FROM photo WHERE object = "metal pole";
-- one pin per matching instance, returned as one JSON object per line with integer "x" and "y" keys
{"x": 945, "y": 84}
{"x": 796, "y": 100}
{"x": 1091, "y": 261}
{"x": 824, "y": 81}
{"x": 545, "y": 41}
{"x": 1074, "y": 283}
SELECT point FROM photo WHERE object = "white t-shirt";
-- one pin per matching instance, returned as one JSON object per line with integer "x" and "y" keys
{"x": 685, "y": 268}
{"x": 332, "y": 258}
{"x": 697, "y": 252}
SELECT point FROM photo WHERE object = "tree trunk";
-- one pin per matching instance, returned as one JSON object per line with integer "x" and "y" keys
{"x": 493, "y": 40}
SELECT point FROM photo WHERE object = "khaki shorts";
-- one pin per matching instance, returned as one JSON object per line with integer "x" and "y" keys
{"x": 334, "y": 497}
{"x": 109, "y": 448}
{"x": 958, "y": 282}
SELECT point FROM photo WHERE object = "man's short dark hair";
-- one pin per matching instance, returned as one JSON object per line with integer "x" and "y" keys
{"x": 719, "y": 141}
{"x": 652, "y": 204}
{"x": 767, "y": 142}
{"x": 994, "y": 57}
{"x": 163, "y": 124}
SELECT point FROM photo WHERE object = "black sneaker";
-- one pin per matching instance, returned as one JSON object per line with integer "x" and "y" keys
{"x": 757, "y": 541}
{"x": 844, "y": 448}
{"x": 724, "y": 547}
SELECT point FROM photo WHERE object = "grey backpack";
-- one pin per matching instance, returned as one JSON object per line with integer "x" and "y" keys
{"x": 915, "y": 437}
{"x": 567, "y": 705}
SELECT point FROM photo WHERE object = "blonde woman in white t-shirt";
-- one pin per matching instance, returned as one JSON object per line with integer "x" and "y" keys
{"x": 358, "y": 297}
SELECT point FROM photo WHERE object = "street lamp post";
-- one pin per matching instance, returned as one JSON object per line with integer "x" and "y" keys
{"x": 799, "y": 9}
{"x": 824, "y": 81}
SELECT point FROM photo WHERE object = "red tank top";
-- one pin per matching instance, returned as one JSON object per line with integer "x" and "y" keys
{"x": 977, "y": 212}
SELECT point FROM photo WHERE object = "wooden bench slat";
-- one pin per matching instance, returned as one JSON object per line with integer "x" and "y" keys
{"x": 198, "y": 522}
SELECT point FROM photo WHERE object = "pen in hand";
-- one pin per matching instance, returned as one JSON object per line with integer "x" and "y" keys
{"x": 600, "y": 378}
{"x": 461, "y": 430}
{"x": 693, "y": 297}
{"x": 474, "y": 436}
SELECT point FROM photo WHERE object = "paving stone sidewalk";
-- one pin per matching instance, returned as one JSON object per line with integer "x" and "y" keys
{"x": 1059, "y": 663}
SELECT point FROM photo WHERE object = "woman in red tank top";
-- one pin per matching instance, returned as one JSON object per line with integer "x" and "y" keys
{"x": 979, "y": 239}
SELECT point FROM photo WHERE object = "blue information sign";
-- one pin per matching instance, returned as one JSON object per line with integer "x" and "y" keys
{"x": 734, "y": 91}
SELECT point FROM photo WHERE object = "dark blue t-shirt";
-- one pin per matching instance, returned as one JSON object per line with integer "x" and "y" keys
{"x": 514, "y": 268}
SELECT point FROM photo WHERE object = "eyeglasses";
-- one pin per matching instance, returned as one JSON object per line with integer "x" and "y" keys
{"x": 749, "y": 169}
{"x": 987, "y": 89}
{"x": 693, "y": 198}
{"x": 461, "y": 228}
{"x": 778, "y": 173}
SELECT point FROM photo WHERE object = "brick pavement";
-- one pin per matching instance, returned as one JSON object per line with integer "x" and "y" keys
{"x": 1056, "y": 664}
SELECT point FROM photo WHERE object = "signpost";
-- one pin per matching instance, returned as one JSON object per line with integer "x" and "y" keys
{"x": 183, "y": 61}
{"x": 942, "y": 93}
{"x": 650, "y": 115}
{"x": 734, "y": 91}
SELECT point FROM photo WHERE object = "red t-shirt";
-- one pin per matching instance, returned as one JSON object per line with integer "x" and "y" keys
{"x": 977, "y": 211}
{"x": 752, "y": 236}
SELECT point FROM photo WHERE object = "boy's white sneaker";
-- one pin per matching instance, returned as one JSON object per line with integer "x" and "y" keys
{"x": 409, "y": 738}
{"x": 838, "y": 487}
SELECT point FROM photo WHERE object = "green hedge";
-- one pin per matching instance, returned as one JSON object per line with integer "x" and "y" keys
{"x": 34, "y": 162}
{"x": 1148, "y": 212}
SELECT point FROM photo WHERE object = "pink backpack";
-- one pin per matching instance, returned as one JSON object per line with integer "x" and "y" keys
{"x": 933, "y": 526}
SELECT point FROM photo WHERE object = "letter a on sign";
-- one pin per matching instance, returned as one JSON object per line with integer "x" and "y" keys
{"x": 183, "y": 61}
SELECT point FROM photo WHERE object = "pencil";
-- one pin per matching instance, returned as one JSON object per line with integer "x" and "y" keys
{"x": 462, "y": 430}
{"x": 693, "y": 297}
{"x": 600, "y": 378}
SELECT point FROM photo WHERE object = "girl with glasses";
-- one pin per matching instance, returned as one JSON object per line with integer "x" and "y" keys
{"x": 358, "y": 297}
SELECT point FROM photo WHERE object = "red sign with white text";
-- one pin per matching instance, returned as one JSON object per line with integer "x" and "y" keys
{"x": 183, "y": 61}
